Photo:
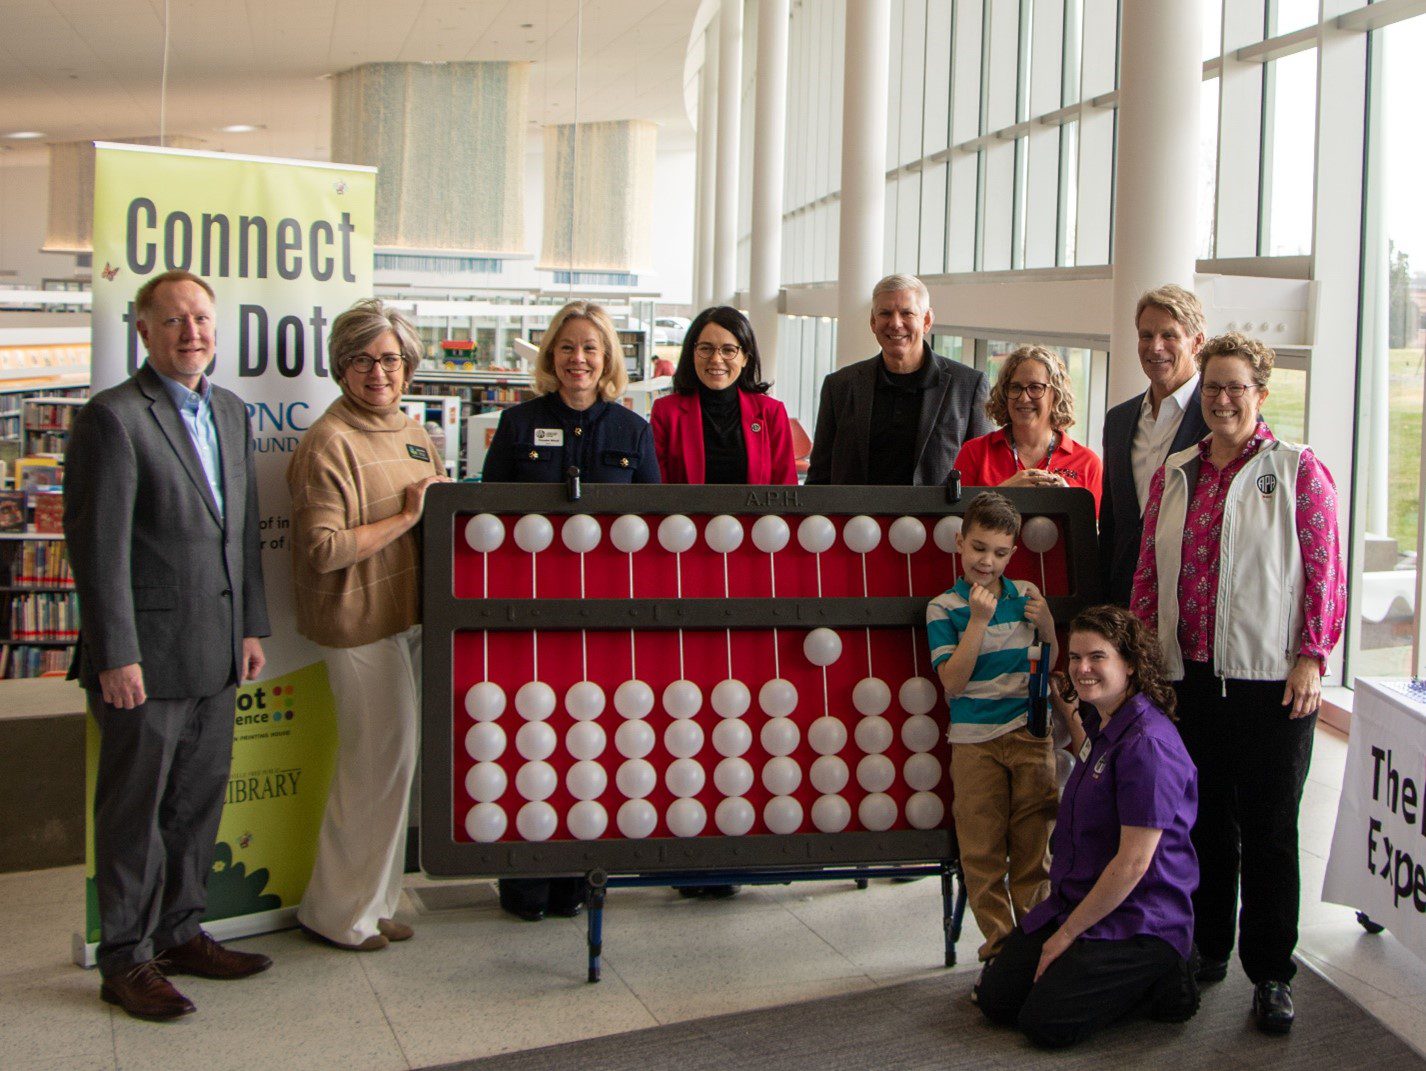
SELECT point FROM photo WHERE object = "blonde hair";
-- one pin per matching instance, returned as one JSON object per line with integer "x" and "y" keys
{"x": 1183, "y": 305}
{"x": 365, "y": 321}
{"x": 997, "y": 406}
{"x": 613, "y": 377}
{"x": 1259, "y": 356}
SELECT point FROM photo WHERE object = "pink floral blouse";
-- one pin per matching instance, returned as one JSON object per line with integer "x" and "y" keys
{"x": 1326, "y": 595}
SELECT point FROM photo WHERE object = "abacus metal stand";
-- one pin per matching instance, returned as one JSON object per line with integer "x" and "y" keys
{"x": 953, "y": 892}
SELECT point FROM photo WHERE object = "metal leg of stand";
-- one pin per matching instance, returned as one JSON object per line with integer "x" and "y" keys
{"x": 950, "y": 924}
{"x": 862, "y": 883}
{"x": 594, "y": 910}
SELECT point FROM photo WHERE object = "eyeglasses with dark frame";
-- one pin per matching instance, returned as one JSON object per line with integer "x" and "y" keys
{"x": 705, "y": 350}
{"x": 389, "y": 362}
{"x": 1035, "y": 391}
{"x": 1233, "y": 390}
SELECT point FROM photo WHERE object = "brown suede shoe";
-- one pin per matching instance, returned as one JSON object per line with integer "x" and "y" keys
{"x": 205, "y": 957}
{"x": 395, "y": 931}
{"x": 145, "y": 994}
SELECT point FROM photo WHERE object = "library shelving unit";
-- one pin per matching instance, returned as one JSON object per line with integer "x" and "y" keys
{"x": 41, "y": 612}
{"x": 45, "y": 423}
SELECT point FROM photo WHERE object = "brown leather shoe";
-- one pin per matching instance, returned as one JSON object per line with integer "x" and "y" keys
{"x": 395, "y": 931}
{"x": 145, "y": 994}
{"x": 205, "y": 957}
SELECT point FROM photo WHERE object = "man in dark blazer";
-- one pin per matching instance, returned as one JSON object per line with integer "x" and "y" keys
{"x": 1140, "y": 433}
{"x": 161, "y": 519}
{"x": 899, "y": 417}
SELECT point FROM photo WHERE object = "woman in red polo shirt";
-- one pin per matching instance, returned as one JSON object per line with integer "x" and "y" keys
{"x": 1033, "y": 403}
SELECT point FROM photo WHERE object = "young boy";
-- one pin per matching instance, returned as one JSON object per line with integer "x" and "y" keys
{"x": 982, "y": 633}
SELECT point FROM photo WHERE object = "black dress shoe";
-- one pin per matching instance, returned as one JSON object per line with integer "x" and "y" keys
{"x": 1211, "y": 970}
{"x": 145, "y": 994}
{"x": 205, "y": 957}
{"x": 1272, "y": 1007}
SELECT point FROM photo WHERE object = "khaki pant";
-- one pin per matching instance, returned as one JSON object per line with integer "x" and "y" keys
{"x": 1004, "y": 806}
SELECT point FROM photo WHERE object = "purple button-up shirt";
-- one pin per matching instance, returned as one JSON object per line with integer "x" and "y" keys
{"x": 1137, "y": 773}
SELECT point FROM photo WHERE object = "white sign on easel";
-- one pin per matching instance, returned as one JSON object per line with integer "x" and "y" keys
{"x": 1378, "y": 860}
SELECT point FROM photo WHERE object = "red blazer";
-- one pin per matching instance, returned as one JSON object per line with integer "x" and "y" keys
{"x": 677, "y": 420}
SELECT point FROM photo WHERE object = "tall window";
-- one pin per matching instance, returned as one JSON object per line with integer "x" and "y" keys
{"x": 1289, "y": 136}
{"x": 1390, "y": 388}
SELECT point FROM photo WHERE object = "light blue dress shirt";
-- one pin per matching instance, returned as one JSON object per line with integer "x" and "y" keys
{"x": 195, "y": 408}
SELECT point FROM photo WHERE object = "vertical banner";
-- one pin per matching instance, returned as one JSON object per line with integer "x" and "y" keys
{"x": 286, "y": 246}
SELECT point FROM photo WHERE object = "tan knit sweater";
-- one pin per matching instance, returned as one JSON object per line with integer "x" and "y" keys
{"x": 352, "y": 468}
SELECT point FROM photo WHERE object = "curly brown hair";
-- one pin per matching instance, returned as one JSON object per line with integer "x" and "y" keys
{"x": 997, "y": 406}
{"x": 1137, "y": 646}
{"x": 1260, "y": 357}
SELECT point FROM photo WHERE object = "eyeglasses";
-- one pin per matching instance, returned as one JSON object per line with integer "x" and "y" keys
{"x": 389, "y": 362}
{"x": 1233, "y": 390}
{"x": 1035, "y": 391}
{"x": 705, "y": 351}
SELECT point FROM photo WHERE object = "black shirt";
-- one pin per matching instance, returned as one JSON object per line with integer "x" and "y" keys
{"x": 895, "y": 423}
{"x": 725, "y": 457}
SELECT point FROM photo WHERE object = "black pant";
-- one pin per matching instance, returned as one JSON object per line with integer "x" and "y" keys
{"x": 1093, "y": 984}
{"x": 1252, "y": 762}
{"x": 163, "y": 773}
{"x": 558, "y": 896}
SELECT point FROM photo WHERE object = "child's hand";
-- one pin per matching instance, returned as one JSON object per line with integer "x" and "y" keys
{"x": 1037, "y": 612}
{"x": 982, "y": 604}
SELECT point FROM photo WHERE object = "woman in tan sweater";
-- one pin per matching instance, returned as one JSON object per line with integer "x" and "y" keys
{"x": 358, "y": 482}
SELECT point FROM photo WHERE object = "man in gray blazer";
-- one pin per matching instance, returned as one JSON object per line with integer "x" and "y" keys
{"x": 161, "y": 518}
{"x": 899, "y": 417}
{"x": 1140, "y": 433}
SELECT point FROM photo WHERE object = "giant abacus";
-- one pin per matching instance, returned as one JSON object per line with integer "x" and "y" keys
{"x": 663, "y": 684}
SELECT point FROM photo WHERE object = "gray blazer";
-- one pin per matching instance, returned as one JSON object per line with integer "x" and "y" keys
{"x": 161, "y": 580}
{"x": 1121, "y": 514}
{"x": 952, "y": 411}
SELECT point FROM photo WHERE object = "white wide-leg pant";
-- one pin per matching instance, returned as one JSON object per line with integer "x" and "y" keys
{"x": 361, "y": 854}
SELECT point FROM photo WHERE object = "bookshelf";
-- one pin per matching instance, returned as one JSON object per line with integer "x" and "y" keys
{"x": 45, "y": 423}
{"x": 40, "y": 623}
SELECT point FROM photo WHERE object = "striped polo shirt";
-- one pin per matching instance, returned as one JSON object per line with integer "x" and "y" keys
{"x": 997, "y": 698}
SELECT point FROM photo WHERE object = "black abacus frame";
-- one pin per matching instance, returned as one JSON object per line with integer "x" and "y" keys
{"x": 444, "y": 614}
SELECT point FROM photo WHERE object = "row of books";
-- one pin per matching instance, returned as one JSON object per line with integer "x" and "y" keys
{"x": 41, "y": 565}
{"x": 33, "y": 508}
{"x": 46, "y": 442}
{"x": 44, "y": 617}
{"x": 44, "y": 416}
{"x": 21, "y": 662}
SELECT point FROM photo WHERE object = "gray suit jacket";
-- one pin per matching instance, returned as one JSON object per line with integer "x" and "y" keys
{"x": 1121, "y": 514}
{"x": 161, "y": 580}
{"x": 952, "y": 411}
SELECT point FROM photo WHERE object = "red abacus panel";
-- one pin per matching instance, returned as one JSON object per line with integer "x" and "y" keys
{"x": 679, "y": 678}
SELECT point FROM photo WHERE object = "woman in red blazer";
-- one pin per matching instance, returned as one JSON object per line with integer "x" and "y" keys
{"x": 719, "y": 425}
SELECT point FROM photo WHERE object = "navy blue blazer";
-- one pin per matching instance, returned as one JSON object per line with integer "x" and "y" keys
{"x": 1121, "y": 514}
{"x": 539, "y": 440}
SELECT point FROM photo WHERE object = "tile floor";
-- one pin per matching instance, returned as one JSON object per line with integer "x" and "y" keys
{"x": 475, "y": 982}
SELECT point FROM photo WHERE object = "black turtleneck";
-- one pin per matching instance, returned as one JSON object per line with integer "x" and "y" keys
{"x": 725, "y": 458}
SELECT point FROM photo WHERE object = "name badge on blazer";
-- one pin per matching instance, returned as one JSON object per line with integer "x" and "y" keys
{"x": 549, "y": 436}
{"x": 418, "y": 452}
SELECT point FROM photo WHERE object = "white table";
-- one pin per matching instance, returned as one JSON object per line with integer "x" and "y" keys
{"x": 1378, "y": 860}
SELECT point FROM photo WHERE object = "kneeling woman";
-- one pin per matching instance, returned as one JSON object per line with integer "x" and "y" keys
{"x": 1116, "y": 932}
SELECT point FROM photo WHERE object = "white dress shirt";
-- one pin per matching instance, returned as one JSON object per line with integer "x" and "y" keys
{"x": 1152, "y": 438}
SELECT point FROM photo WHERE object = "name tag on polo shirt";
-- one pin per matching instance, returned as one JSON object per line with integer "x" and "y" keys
{"x": 418, "y": 452}
{"x": 549, "y": 436}
{"x": 1084, "y": 750}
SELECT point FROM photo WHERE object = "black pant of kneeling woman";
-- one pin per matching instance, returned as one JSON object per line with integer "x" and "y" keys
{"x": 1114, "y": 937}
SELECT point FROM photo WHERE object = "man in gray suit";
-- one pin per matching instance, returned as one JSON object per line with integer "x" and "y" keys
{"x": 899, "y": 417}
{"x": 161, "y": 518}
{"x": 1140, "y": 433}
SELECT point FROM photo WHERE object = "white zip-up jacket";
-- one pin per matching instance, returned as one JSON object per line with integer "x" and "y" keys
{"x": 1258, "y": 615}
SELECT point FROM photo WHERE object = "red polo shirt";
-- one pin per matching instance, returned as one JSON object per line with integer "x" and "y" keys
{"x": 988, "y": 461}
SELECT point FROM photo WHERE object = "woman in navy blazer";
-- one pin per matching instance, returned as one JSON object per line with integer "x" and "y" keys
{"x": 719, "y": 425}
